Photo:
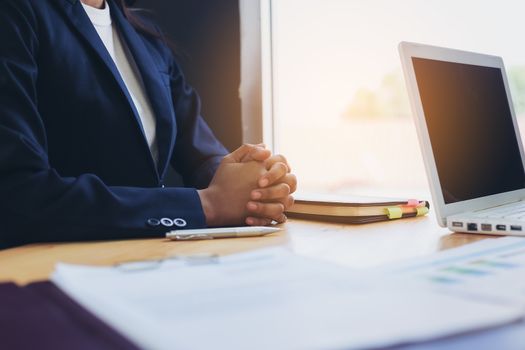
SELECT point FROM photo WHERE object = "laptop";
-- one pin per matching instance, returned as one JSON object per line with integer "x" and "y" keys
{"x": 469, "y": 137}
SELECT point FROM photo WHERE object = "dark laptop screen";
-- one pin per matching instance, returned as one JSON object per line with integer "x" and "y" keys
{"x": 470, "y": 127}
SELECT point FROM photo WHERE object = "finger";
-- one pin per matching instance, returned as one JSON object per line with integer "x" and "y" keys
{"x": 246, "y": 151}
{"x": 282, "y": 219}
{"x": 287, "y": 186}
{"x": 278, "y": 158}
{"x": 272, "y": 210}
{"x": 258, "y": 153}
{"x": 277, "y": 171}
{"x": 287, "y": 202}
{"x": 237, "y": 155}
{"x": 280, "y": 190}
{"x": 253, "y": 221}
{"x": 291, "y": 181}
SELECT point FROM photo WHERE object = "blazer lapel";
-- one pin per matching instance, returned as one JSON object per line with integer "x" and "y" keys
{"x": 76, "y": 14}
{"x": 157, "y": 91}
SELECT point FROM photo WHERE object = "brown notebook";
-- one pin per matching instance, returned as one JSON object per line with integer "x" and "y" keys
{"x": 355, "y": 209}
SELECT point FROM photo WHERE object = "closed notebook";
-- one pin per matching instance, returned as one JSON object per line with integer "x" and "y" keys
{"x": 355, "y": 209}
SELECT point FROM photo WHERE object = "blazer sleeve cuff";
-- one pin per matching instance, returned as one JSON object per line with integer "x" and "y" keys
{"x": 183, "y": 211}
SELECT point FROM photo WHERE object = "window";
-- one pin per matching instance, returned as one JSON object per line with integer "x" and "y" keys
{"x": 334, "y": 96}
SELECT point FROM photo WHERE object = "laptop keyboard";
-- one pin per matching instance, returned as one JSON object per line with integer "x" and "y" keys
{"x": 515, "y": 211}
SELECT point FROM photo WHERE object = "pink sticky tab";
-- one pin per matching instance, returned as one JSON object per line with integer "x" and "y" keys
{"x": 412, "y": 203}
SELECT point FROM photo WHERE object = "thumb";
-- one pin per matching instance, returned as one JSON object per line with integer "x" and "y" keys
{"x": 258, "y": 154}
{"x": 246, "y": 153}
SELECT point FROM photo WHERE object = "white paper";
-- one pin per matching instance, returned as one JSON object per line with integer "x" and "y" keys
{"x": 491, "y": 270}
{"x": 268, "y": 299}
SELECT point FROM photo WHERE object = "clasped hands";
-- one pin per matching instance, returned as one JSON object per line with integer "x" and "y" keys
{"x": 251, "y": 186}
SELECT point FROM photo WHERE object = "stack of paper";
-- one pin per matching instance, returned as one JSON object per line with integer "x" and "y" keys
{"x": 272, "y": 299}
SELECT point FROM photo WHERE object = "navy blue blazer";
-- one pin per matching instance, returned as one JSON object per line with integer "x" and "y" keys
{"x": 74, "y": 162}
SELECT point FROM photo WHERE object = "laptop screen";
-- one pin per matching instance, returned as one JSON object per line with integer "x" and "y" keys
{"x": 470, "y": 127}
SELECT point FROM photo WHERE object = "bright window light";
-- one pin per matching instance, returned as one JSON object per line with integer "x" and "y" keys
{"x": 340, "y": 108}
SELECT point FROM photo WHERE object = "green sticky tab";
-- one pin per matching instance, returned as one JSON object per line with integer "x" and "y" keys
{"x": 422, "y": 211}
{"x": 394, "y": 213}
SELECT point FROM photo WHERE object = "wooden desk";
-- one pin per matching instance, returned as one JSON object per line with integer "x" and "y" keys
{"x": 353, "y": 246}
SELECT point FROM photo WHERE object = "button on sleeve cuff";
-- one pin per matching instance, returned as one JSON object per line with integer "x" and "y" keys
{"x": 181, "y": 209}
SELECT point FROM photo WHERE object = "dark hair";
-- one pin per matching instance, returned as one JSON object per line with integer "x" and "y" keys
{"x": 135, "y": 21}
{"x": 139, "y": 24}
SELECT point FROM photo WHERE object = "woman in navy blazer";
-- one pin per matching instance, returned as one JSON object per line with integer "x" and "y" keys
{"x": 74, "y": 161}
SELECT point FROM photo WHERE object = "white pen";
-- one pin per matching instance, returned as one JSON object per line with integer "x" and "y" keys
{"x": 222, "y": 232}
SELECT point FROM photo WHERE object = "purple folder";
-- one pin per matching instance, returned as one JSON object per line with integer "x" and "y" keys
{"x": 40, "y": 316}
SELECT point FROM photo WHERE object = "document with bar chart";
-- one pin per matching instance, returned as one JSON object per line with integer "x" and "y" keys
{"x": 493, "y": 270}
